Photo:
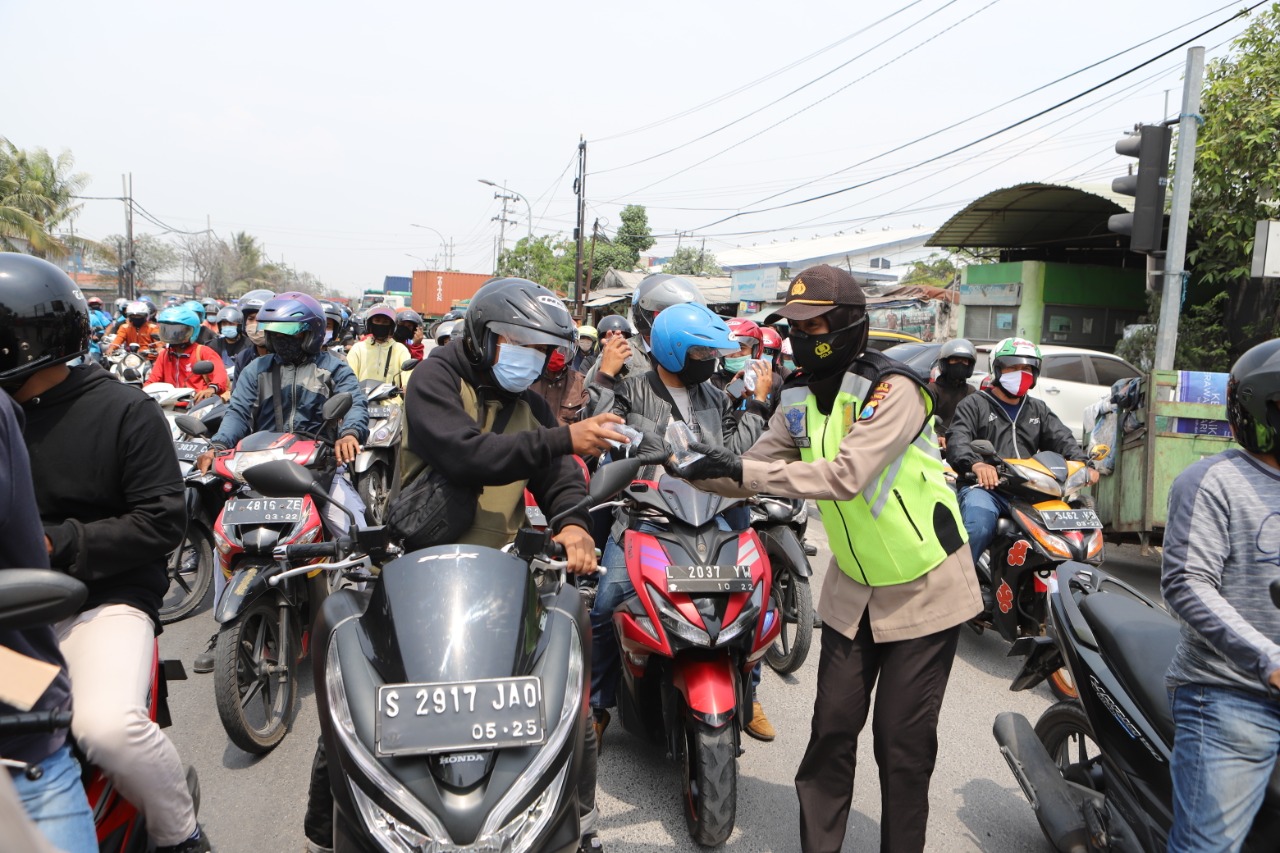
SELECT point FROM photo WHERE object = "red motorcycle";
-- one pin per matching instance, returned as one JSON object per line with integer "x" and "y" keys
{"x": 701, "y": 618}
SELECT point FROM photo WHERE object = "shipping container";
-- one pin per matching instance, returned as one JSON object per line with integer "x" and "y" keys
{"x": 397, "y": 283}
{"x": 436, "y": 292}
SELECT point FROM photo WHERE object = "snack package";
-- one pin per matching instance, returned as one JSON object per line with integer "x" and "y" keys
{"x": 679, "y": 436}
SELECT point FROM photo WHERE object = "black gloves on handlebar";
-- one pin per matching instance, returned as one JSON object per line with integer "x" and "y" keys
{"x": 716, "y": 462}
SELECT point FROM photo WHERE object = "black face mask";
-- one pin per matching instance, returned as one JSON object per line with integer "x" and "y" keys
{"x": 380, "y": 331}
{"x": 403, "y": 334}
{"x": 956, "y": 374}
{"x": 137, "y": 322}
{"x": 288, "y": 348}
{"x": 697, "y": 372}
{"x": 829, "y": 354}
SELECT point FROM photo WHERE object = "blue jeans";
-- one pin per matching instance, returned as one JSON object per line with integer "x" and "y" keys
{"x": 1224, "y": 750}
{"x": 57, "y": 805}
{"x": 981, "y": 510}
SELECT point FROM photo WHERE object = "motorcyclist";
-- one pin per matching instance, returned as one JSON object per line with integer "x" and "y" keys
{"x": 380, "y": 356}
{"x": 564, "y": 389}
{"x": 178, "y": 329}
{"x": 205, "y": 336}
{"x": 768, "y": 386}
{"x": 1017, "y": 426}
{"x": 616, "y": 356}
{"x": 250, "y": 304}
{"x": 510, "y": 330}
{"x": 685, "y": 341}
{"x": 334, "y": 323}
{"x": 653, "y": 294}
{"x": 786, "y": 361}
{"x": 137, "y": 330}
{"x": 772, "y": 345}
{"x": 955, "y": 364}
{"x": 231, "y": 337}
{"x": 211, "y": 309}
{"x": 585, "y": 354}
{"x": 444, "y": 331}
{"x": 118, "y": 317}
{"x": 99, "y": 320}
{"x": 111, "y": 501}
{"x": 409, "y": 331}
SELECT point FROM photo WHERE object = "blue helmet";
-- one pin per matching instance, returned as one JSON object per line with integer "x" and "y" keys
{"x": 196, "y": 306}
{"x": 178, "y": 325}
{"x": 294, "y": 313}
{"x": 686, "y": 331}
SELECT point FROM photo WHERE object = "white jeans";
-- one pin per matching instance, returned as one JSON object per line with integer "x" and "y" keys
{"x": 109, "y": 652}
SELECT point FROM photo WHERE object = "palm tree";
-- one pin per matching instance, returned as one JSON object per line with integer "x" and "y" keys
{"x": 37, "y": 197}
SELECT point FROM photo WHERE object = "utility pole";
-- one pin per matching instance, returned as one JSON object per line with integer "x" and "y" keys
{"x": 580, "y": 190}
{"x": 591, "y": 264}
{"x": 129, "y": 263}
{"x": 1175, "y": 258}
{"x": 502, "y": 221}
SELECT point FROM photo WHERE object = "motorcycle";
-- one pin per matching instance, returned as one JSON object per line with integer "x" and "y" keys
{"x": 1049, "y": 523}
{"x": 376, "y": 471}
{"x": 780, "y": 523}
{"x": 702, "y": 616}
{"x": 264, "y": 628}
{"x": 131, "y": 364}
{"x": 31, "y": 597}
{"x": 1096, "y": 769}
{"x": 452, "y": 695}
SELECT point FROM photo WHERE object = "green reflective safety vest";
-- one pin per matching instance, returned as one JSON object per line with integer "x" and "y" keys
{"x": 906, "y": 522}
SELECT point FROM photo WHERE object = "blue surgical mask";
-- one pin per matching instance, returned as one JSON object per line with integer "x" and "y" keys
{"x": 518, "y": 367}
{"x": 735, "y": 363}
{"x": 328, "y": 336}
{"x": 788, "y": 364}
{"x": 230, "y": 332}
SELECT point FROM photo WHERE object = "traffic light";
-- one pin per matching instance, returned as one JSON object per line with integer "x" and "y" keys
{"x": 1145, "y": 226}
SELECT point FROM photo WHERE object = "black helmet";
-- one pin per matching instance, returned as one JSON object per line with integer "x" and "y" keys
{"x": 958, "y": 348}
{"x": 408, "y": 315}
{"x": 661, "y": 291}
{"x": 523, "y": 312}
{"x": 456, "y": 314}
{"x": 1253, "y": 398}
{"x": 230, "y": 314}
{"x": 334, "y": 313}
{"x": 211, "y": 307}
{"x": 254, "y": 300}
{"x": 44, "y": 319}
{"x": 614, "y": 323}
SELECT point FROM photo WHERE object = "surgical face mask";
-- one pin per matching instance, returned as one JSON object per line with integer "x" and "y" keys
{"x": 230, "y": 332}
{"x": 380, "y": 331}
{"x": 288, "y": 347}
{"x": 251, "y": 332}
{"x": 586, "y": 344}
{"x": 328, "y": 336}
{"x": 789, "y": 364}
{"x": 734, "y": 363}
{"x": 696, "y": 372}
{"x": 1016, "y": 383}
{"x": 517, "y": 367}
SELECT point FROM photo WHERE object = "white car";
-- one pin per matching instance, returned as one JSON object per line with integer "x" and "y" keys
{"x": 1072, "y": 379}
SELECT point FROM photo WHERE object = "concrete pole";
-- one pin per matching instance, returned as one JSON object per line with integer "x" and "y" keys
{"x": 1176, "y": 255}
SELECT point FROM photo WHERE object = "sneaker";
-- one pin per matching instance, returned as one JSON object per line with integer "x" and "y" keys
{"x": 760, "y": 728}
{"x": 600, "y": 719}
{"x": 590, "y": 843}
{"x": 312, "y": 847}
{"x": 197, "y": 843}
{"x": 204, "y": 660}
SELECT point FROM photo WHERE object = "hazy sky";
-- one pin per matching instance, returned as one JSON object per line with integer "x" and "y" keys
{"x": 325, "y": 129}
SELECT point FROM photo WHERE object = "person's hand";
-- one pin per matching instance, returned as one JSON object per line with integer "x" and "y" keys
{"x": 987, "y": 475}
{"x": 1094, "y": 476}
{"x": 204, "y": 461}
{"x": 346, "y": 449}
{"x": 591, "y": 437}
{"x": 615, "y": 354}
{"x": 716, "y": 462}
{"x": 1273, "y": 678}
{"x": 764, "y": 380}
{"x": 579, "y": 549}
{"x": 206, "y": 391}
{"x": 942, "y": 443}
{"x": 48, "y": 546}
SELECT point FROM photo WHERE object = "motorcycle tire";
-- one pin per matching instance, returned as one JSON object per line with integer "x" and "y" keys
{"x": 255, "y": 665}
{"x": 1067, "y": 736}
{"x": 794, "y": 598}
{"x": 187, "y": 589}
{"x": 709, "y": 760}
{"x": 1062, "y": 685}
{"x": 374, "y": 487}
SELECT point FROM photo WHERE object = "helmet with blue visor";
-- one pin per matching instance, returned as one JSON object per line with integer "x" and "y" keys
{"x": 178, "y": 325}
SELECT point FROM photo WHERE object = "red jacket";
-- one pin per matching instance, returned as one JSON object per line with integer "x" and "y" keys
{"x": 175, "y": 368}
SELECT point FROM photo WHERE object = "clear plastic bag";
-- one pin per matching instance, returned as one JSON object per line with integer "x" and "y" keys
{"x": 678, "y": 437}
{"x": 632, "y": 435}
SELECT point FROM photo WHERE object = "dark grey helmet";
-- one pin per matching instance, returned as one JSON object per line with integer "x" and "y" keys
{"x": 525, "y": 313}
{"x": 660, "y": 291}
{"x": 44, "y": 319}
{"x": 1253, "y": 398}
{"x": 959, "y": 348}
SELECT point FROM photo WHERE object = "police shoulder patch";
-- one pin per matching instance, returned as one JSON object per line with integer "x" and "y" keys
{"x": 877, "y": 397}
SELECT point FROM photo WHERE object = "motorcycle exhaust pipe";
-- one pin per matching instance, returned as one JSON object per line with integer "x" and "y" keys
{"x": 1059, "y": 806}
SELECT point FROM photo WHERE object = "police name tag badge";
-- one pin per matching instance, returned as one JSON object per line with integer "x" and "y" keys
{"x": 794, "y": 416}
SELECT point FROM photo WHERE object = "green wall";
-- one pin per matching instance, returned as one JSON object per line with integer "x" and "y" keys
{"x": 1105, "y": 287}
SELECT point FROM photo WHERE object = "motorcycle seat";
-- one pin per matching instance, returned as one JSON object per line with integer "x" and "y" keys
{"x": 1139, "y": 641}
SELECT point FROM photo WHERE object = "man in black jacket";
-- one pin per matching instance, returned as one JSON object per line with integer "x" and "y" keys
{"x": 1017, "y": 426}
{"x": 111, "y": 501}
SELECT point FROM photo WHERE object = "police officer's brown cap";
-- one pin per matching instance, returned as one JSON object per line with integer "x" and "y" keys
{"x": 816, "y": 291}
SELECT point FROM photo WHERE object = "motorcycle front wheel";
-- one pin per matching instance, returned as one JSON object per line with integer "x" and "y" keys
{"x": 795, "y": 605}
{"x": 709, "y": 758}
{"x": 255, "y": 677}
{"x": 374, "y": 487}
{"x": 190, "y": 576}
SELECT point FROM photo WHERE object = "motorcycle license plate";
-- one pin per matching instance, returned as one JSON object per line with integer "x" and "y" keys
{"x": 262, "y": 511}
{"x": 1070, "y": 519}
{"x": 379, "y": 412}
{"x": 188, "y": 450}
{"x": 702, "y": 580}
{"x": 493, "y": 713}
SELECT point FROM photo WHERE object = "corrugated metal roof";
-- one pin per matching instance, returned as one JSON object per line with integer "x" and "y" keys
{"x": 1035, "y": 214}
{"x": 797, "y": 254}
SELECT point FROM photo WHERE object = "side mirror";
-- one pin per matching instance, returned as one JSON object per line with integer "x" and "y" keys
{"x": 202, "y": 368}
{"x": 410, "y": 364}
{"x": 614, "y": 477}
{"x": 283, "y": 478}
{"x": 33, "y": 597}
{"x": 336, "y": 407}
{"x": 983, "y": 448}
{"x": 1275, "y": 593}
{"x": 191, "y": 425}
{"x": 131, "y": 374}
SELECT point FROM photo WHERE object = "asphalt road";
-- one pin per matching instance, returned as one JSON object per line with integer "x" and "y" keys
{"x": 256, "y": 803}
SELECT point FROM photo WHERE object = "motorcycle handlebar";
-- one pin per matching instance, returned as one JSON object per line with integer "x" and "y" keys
{"x": 34, "y": 722}
{"x": 311, "y": 551}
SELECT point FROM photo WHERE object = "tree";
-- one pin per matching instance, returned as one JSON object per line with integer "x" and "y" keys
{"x": 37, "y": 199}
{"x": 933, "y": 271}
{"x": 1237, "y": 182}
{"x": 152, "y": 256}
{"x": 691, "y": 260}
{"x": 633, "y": 234}
{"x": 548, "y": 260}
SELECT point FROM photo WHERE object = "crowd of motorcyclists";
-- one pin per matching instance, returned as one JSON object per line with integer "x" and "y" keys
{"x": 499, "y": 400}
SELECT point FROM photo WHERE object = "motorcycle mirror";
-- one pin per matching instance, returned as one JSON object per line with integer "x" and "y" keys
{"x": 410, "y": 364}
{"x": 983, "y": 447}
{"x": 191, "y": 425}
{"x": 1275, "y": 593}
{"x": 33, "y": 597}
{"x": 336, "y": 407}
{"x": 283, "y": 478}
{"x": 1099, "y": 452}
{"x": 131, "y": 375}
{"x": 202, "y": 368}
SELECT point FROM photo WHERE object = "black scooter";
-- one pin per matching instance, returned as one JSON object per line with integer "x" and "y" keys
{"x": 453, "y": 695}
{"x": 1096, "y": 770}
{"x": 781, "y": 523}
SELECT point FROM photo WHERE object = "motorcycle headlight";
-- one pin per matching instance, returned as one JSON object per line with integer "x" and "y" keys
{"x": 243, "y": 461}
{"x": 132, "y": 360}
{"x": 673, "y": 621}
{"x": 802, "y": 514}
{"x": 746, "y": 619}
{"x": 1039, "y": 481}
{"x": 392, "y": 834}
{"x": 1077, "y": 481}
{"x": 381, "y": 434}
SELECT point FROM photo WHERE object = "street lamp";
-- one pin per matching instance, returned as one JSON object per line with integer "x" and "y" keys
{"x": 445, "y": 243}
{"x": 504, "y": 189}
{"x": 423, "y": 261}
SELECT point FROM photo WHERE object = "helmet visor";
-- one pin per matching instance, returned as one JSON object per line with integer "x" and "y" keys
{"x": 282, "y": 327}
{"x": 703, "y": 353}
{"x": 526, "y": 337}
{"x": 175, "y": 333}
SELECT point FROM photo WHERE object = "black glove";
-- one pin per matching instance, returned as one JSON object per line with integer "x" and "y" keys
{"x": 716, "y": 462}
